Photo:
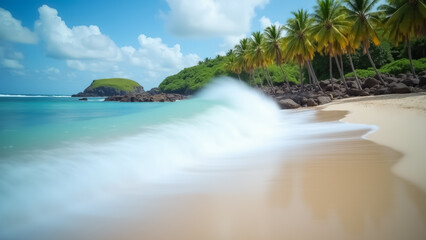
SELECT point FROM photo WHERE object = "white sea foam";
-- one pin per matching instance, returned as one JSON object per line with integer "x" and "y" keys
{"x": 239, "y": 119}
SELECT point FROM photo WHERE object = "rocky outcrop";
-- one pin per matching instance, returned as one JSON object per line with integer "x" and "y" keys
{"x": 147, "y": 97}
{"x": 288, "y": 104}
{"x": 294, "y": 97}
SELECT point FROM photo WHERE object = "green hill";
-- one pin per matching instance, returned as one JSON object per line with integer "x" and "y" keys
{"x": 123, "y": 84}
{"x": 193, "y": 78}
{"x": 110, "y": 87}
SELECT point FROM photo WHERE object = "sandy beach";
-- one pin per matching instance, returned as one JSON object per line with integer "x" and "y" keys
{"x": 401, "y": 121}
{"x": 328, "y": 184}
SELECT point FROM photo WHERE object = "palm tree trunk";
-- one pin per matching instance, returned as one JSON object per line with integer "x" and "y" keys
{"x": 342, "y": 77}
{"x": 314, "y": 76}
{"x": 239, "y": 77}
{"x": 269, "y": 76}
{"x": 411, "y": 58}
{"x": 301, "y": 79}
{"x": 310, "y": 79}
{"x": 261, "y": 80}
{"x": 254, "y": 80}
{"x": 353, "y": 70}
{"x": 374, "y": 67}
{"x": 285, "y": 76}
{"x": 268, "y": 79}
{"x": 331, "y": 74}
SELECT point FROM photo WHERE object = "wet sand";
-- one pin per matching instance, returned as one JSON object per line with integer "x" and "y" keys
{"x": 335, "y": 185}
{"x": 402, "y": 126}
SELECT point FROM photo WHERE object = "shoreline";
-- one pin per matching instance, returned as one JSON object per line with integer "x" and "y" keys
{"x": 321, "y": 180}
{"x": 401, "y": 126}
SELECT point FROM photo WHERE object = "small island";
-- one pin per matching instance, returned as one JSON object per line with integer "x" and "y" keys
{"x": 125, "y": 90}
{"x": 111, "y": 87}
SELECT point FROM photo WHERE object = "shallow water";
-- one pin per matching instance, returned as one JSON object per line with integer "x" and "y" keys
{"x": 226, "y": 165}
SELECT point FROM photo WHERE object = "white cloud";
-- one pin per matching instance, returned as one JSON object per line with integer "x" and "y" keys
{"x": 12, "y": 30}
{"x": 52, "y": 70}
{"x": 211, "y": 18}
{"x": 91, "y": 65}
{"x": 79, "y": 42}
{"x": 11, "y": 63}
{"x": 266, "y": 22}
{"x": 154, "y": 55}
{"x": 9, "y": 58}
{"x": 85, "y": 48}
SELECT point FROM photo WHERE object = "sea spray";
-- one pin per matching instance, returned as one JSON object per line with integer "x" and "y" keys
{"x": 44, "y": 181}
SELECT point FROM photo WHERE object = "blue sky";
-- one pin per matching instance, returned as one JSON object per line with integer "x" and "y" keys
{"x": 59, "y": 47}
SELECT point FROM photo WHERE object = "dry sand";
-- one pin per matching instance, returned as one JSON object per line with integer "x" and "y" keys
{"x": 329, "y": 186}
{"x": 402, "y": 126}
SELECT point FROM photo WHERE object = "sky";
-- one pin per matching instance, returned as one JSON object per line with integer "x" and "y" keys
{"x": 60, "y": 47}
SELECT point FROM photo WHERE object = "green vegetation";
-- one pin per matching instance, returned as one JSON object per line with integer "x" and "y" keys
{"x": 362, "y": 73}
{"x": 189, "y": 80}
{"x": 396, "y": 67}
{"x": 340, "y": 36}
{"x": 403, "y": 66}
{"x": 117, "y": 83}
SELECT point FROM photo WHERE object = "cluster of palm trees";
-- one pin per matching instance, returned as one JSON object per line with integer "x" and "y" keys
{"x": 336, "y": 28}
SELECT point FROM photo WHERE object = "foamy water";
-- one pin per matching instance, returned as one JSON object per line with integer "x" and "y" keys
{"x": 226, "y": 119}
{"x": 32, "y": 182}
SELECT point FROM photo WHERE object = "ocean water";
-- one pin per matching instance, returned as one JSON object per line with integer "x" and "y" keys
{"x": 54, "y": 148}
{"x": 57, "y": 152}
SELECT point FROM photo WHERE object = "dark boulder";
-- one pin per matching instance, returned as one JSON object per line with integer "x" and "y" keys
{"x": 370, "y": 82}
{"x": 154, "y": 91}
{"x": 411, "y": 82}
{"x": 323, "y": 100}
{"x": 311, "y": 102}
{"x": 288, "y": 104}
{"x": 83, "y": 99}
{"x": 329, "y": 87}
{"x": 357, "y": 92}
{"x": 391, "y": 79}
{"x": 401, "y": 75}
{"x": 324, "y": 83}
{"x": 422, "y": 81}
{"x": 399, "y": 88}
{"x": 381, "y": 91}
{"x": 147, "y": 97}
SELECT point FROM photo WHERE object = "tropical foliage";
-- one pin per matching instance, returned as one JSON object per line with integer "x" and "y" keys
{"x": 338, "y": 37}
{"x": 396, "y": 67}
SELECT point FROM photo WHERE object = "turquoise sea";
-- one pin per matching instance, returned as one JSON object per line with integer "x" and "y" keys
{"x": 55, "y": 150}
{"x": 58, "y": 153}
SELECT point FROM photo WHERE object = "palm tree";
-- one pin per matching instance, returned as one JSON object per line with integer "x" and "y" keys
{"x": 257, "y": 57}
{"x": 298, "y": 44}
{"x": 272, "y": 46}
{"x": 241, "y": 54}
{"x": 405, "y": 19}
{"x": 231, "y": 64}
{"x": 350, "y": 49}
{"x": 364, "y": 22}
{"x": 329, "y": 30}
